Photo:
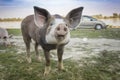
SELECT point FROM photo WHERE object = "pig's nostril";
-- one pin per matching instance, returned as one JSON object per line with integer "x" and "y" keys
{"x": 65, "y": 29}
{"x": 4, "y": 37}
{"x": 58, "y": 28}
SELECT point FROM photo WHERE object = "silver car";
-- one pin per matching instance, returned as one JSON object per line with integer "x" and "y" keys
{"x": 90, "y": 22}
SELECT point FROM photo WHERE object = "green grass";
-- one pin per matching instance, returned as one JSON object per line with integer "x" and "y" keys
{"x": 16, "y": 32}
{"x": 14, "y": 67}
{"x": 91, "y": 33}
{"x": 105, "y": 67}
{"x": 81, "y": 33}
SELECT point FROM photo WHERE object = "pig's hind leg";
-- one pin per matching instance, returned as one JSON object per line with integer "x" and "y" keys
{"x": 27, "y": 41}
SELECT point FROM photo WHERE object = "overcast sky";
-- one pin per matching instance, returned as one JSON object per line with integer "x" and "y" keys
{"x": 22, "y": 8}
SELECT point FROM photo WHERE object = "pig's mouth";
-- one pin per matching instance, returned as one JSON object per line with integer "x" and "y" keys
{"x": 60, "y": 37}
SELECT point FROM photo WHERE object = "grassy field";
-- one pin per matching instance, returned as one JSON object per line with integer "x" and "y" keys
{"x": 106, "y": 66}
{"x": 91, "y": 33}
{"x": 15, "y": 32}
{"x": 112, "y": 33}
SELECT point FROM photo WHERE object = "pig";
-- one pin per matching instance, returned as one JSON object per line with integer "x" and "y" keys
{"x": 4, "y": 37}
{"x": 50, "y": 32}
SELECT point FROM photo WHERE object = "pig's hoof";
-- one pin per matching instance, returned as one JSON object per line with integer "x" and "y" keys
{"x": 61, "y": 67}
{"x": 62, "y": 70}
{"x": 47, "y": 70}
{"x": 29, "y": 60}
{"x": 39, "y": 59}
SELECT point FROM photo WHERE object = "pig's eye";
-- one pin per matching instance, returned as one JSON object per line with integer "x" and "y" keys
{"x": 51, "y": 24}
{"x": 66, "y": 24}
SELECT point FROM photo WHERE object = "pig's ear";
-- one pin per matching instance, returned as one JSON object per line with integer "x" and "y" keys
{"x": 41, "y": 16}
{"x": 74, "y": 17}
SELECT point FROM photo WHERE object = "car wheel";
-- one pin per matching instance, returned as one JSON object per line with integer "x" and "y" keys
{"x": 98, "y": 27}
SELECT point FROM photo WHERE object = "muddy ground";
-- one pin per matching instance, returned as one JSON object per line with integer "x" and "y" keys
{"x": 77, "y": 48}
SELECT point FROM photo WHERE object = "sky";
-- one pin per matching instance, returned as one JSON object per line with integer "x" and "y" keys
{"x": 22, "y": 8}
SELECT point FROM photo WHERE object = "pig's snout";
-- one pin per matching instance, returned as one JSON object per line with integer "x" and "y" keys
{"x": 61, "y": 31}
{"x": 6, "y": 41}
{"x": 7, "y": 44}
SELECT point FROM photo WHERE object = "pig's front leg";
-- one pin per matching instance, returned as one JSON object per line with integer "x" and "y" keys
{"x": 37, "y": 53}
{"x": 47, "y": 65}
{"x": 60, "y": 51}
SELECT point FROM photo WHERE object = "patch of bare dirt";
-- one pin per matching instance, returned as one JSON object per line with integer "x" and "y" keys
{"x": 77, "y": 47}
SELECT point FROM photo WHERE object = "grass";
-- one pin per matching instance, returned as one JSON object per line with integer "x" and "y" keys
{"x": 91, "y": 33}
{"x": 14, "y": 67}
{"x": 16, "y": 32}
{"x": 82, "y": 33}
{"x": 106, "y": 66}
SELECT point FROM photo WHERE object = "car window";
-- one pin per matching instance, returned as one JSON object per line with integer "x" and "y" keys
{"x": 86, "y": 18}
{"x": 93, "y": 19}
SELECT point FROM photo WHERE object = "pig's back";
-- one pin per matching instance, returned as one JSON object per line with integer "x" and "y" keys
{"x": 26, "y": 21}
{"x": 28, "y": 27}
{"x": 3, "y": 33}
{"x": 28, "y": 24}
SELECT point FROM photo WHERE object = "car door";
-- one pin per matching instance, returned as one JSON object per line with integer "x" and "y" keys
{"x": 86, "y": 22}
